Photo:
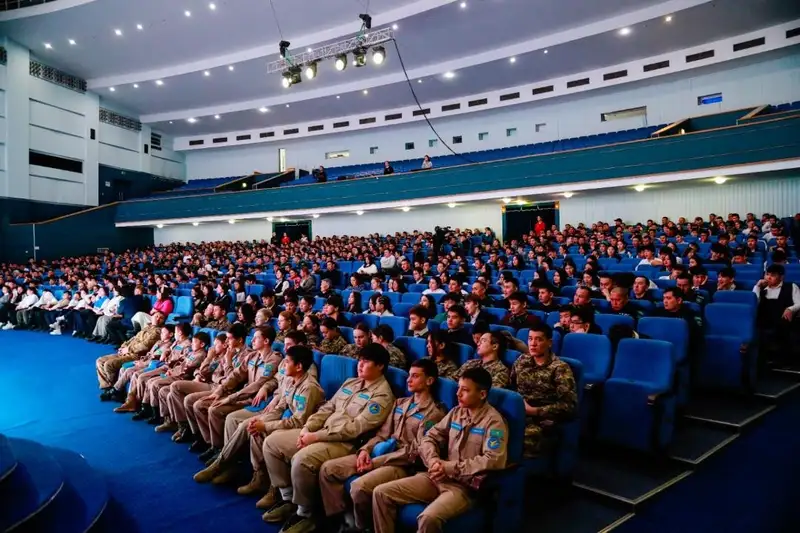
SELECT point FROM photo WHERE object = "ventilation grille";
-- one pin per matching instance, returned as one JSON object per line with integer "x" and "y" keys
{"x": 3, "y": 56}
{"x": 752, "y": 43}
{"x": 699, "y": 56}
{"x": 53, "y": 75}
{"x": 199, "y": 142}
{"x": 393, "y": 116}
{"x": 218, "y": 140}
{"x": 291, "y": 131}
{"x": 318, "y": 127}
{"x": 267, "y": 134}
{"x": 370, "y": 120}
{"x": 615, "y": 75}
{"x": 509, "y": 96}
{"x": 475, "y": 103}
{"x": 155, "y": 141}
{"x": 243, "y": 137}
{"x": 451, "y": 107}
{"x": 656, "y": 66}
{"x": 577, "y": 83}
{"x": 341, "y": 124}
{"x": 542, "y": 90}
{"x": 420, "y": 112}
{"x": 115, "y": 119}
{"x": 794, "y": 32}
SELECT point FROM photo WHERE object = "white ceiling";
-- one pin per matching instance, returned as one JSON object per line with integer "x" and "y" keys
{"x": 434, "y": 37}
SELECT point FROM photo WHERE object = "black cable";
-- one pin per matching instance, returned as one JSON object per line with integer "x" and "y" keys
{"x": 275, "y": 15}
{"x": 419, "y": 105}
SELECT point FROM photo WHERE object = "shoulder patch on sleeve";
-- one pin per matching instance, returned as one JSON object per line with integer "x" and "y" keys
{"x": 496, "y": 433}
{"x": 374, "y": 408}
{"x": 493, "y": 443}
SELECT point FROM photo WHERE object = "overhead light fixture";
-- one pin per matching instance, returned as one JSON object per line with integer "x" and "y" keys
{"x": 506, "y": 200}
{"x": 315, "y": 215}
{"x": 231, "y": 221}
{"x": 170, "y": 122}
{"x": 366, "y": 91}
{"x": 263, "y": 109}
{"x": 719, "y": 180}
{"x": 311, "y": 70}
{"x": 625, "y": 31}
{"x": 359, "y": 213}
{"x": 187, "y": 13}
{"x": 378, "y": 55}
{"x": 244, "y": 185}
{"x": 512, "y": 60}
{"x": 668, "y": 18}
{"x": 191, "y": 120}
{"x": 419, "y": 81}
{"x": 231, "y": 67}
{"x": 545, "y": 50}
{"x": 309, "y": 50}
{"x": 212, "y": 6}
{"x": 639, "y": 188}
{"x": 521, "y": 202}
{"x": 340, "y": 62}
{"x": 360, "y": 56}
{"x": 394, "y": 27}
{"x": 112, "y": 89}
{"x": 138, "y": 27}
{"x": 135, "y": 85}
{"x": 287, "y": 105}
{"x": 284, "y": 219}
{"x": 568, "y": 194}
{"x": 451, "y": 205}
{"x": 337, "y": 96}
{"x": 72, "y": 42}
{"x": 159, "y": 226}
{"x": 269, "y": 219}
{"x": 206, "y": 73}
{"x": 48, "y": 46}
{"x": 449, "y": 75}
{"x": 405, "y": 209}
{"x": 195, "y": 224}
{"x": 463, "y": 5}
{"x": 159, "y": 83}
{"x": 291, "y": 77}
{"x": 118, "y": 32}
{"x": 283, "y": 46}
{"x": 216, "y": 117}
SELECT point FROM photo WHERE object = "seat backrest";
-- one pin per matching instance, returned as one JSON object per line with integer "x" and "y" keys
{"x": 736, "y": 297}
{"x": 211, "y": 333}
{"x": 594, "y": 351}
{"x": 577, "y": 373}
{"x": 522, "y": 335}
{"x": 414, "y": 348}
{"x": 370, "y": 320}
{"x": 645, "y": 360}
{"x": 736, "y": 320}
{"x": 394, "y": 297}
{"x": 335, "y": 370}
{"x": 673, "y": 330}
{"x": 498, "y": 327}
{"x": 512, "y": 407}
{"x": 417, "y": 287}
{"x": 398, "y": 324}
{"x": 462, "y": 353}
{"x": 277, "y": 346}
{"x": 397, "y": 378}
{"x": 496, "y": 313}
{"x": 509, "y": 357}
{"x": 605, "y": 322}
{"x": 185, "y": 306}
{"x": 402, "y": 309}
{"x": 347, "y": 333}
{"x": 553, "y": 318}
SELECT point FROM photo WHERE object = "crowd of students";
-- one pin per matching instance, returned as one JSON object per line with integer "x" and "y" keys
{"x": 228, "y": 400}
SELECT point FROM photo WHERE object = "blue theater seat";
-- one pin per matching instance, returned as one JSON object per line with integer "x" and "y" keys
{"x": 496, "y": 313}
{"x": 596, "y": 357}
{"x": 736, "y": 297}
{"x": 462, "y": 353}
{"x": 335, "y": 370}
{"x": 414, "y": 348}
{"x": 676, "y": 332}
{"x": 398, "y": 324}
{"x": 638, "y": 409}
{"x": 183, "y": 310}
{"x": 398, "y": 378}
{"x": 402, "y": 309}
{"x": 371, "y": 321}
{"x": 729, "y": 357}
{"x": 606, "y": 322}
{"x": 347, "y": 333}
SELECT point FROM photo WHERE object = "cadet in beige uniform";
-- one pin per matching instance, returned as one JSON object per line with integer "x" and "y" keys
{"x": 299, "y": 400}
{"x": 249, "y": 378}
{"x": 474, "y": 435}
{"x": 108, "y": 366}
{"x": 295, "y": 456}
{"x": 387, "y": 456}
{"x": 118, "y": 391}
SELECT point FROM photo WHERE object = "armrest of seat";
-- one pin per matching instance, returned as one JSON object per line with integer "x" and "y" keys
{"x": 656, "y": 401}
{"x": 506, "y": 490}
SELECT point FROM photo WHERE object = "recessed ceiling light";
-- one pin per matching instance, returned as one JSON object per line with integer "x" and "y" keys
{"x": 269, "y": 219}
{"x": 451, "y": 205}
{"x": 287, "y": 105}
{"x": 263, "y": 109}
{"x": 419, "y": 81}
{"x": 206, "y": 73}
{"x": 520, "y": 202}
{"x": 187, "y": 13}
{"x": 159, "y": 226}
{"x": 139, "y": 27}
{"x": 512, "y": 59}
{"x": 230, "y": 67}
{"x": 337, "y": 96}
{"x": 212, "y": 6}
{"x": 309, "y": 50}
{"x": 449, "y": 75}
{"x": 405, "y": 209}
{"x": 216, "y": 117}
{"x": 359, "y": 213}
{"x": 231, "y": 221}
{"x": 191, "y": 120}
{"x": 315, "y": 215}
{"x": 668, "y": 18}
{"x": 48, "y": 46}
{"x": 170, "y": 122}
{"x": 545, "y": 51}
{"x": 159, "y": 83}
{"x": 625, "y": 31}
{"x": 719, "y": 180}
{"x": 195, "y": 224}
{"x": 366, "y": 91}
{"x": 112, "y": 89}
{"x": 639, "y": 188}
{"x": 394, "y": 27}
{"x": 463, "y": 5}
{"x": 118, "y": 32}
{"x": 568, "y": 194}
{"x": 506, "y": 200}
{"x": 72, "y": 42}
{"x": 135, "y": 85}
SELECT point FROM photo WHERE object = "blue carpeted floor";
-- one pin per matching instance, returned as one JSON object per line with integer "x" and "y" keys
{"x": 48, "y": 393}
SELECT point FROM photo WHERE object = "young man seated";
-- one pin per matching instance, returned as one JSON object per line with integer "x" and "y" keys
{"x": 418, "y": 323}
{"x": 518, "y": 316}
{"x": 387, "y": 456}
{"x": 470, "y": 441}
{"x": 108, "y": 366}
{"x": 491, "y": 347}
{"x": 548, "y": 387}
{"x": 294, "y": 457}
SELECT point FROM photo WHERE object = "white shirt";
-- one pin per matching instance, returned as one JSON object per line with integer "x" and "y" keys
{"x": 388, "y": 262}
{"x": 46, "y": 298}
{"x": 773, "y": 292}
{"x": 113, "y": 305}
{"x": 28, "y": 301}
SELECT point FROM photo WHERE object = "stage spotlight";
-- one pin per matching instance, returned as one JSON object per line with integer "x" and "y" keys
{"x": 291, "y": 77}
{"x": 378, "y": 55}
{"x": 311, "y": 71}
{"x": 341, "y": 62}
{"x": 360, "y": 57}
{"x": 367, "y": 20}
{"x": 284, "y": 47}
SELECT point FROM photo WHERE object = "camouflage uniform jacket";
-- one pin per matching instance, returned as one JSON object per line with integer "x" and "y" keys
{"x": 141, "y": 343}
{"x": 497, "y": 369}
{"x": 396, "y": 357}
{"x": 447, "y": 369}
{"x": 220, "y": 325}
{"x": 351, "y": 351}
{"x": 550, "y": 386}
{"x": 334, "y": 346}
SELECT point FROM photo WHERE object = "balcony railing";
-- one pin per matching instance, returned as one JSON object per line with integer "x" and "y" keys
{"x": 8, "y": 5}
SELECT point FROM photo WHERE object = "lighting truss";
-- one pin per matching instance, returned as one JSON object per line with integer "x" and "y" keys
{"x": 332, "y": 50}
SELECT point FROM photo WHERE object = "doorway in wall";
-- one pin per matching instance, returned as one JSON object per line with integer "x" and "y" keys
{"x": 281, "y": 159}
{"x": 294, "y": 229}
{"x": 519, "y": 219}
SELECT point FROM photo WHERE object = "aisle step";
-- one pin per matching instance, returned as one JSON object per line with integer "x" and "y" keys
{"x": 31, "y": 487}
{"x": 80, "y": 503}
{"x": 8, "y": 462}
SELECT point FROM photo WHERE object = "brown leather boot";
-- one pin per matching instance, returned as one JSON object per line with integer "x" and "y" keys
{"x": 131, "y": 405}
{"x": 258, "y": 485}
{"x": 269, "y": 499}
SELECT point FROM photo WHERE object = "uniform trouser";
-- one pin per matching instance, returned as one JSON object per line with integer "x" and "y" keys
{"x": 24, "y": 317}
{"x": 139, "y": 382}
{"x": 288, "y": 466}
{"x": 236, "y": 436}
{"x": 182, "y": 395}
{"x": 211, "y": 420}
{"x": 445, "y": 501}
{"x": 126, "y": 374}
{"x": 153, "y": 393}
{"x": 101, "y": 325}
{"x": 331, "y": 483}
{"x": 108, "y": 367}
{"x": 142, "y": 319}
